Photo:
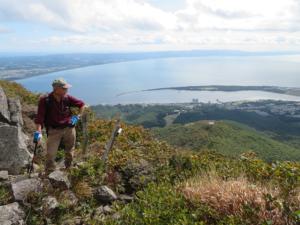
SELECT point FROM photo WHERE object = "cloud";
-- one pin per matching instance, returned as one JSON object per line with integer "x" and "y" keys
{"x": 84, "y": 40}
{"x": 251, "y": 15}
{"x": 5, "y": 29}
{"x": 87, "y": 15}
{"x": 168, "y": 39}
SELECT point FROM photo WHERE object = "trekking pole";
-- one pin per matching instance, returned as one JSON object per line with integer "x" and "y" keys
{"x": 31, "y": 165}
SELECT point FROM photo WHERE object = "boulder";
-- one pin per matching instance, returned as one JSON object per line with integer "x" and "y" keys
{"x": 4, "y": 113}
{"x": 3, "y": 175}
{"x": 49, "y": 204}
{"x": 68, "y": 198}
{"x": 104, "y": 194}
{"x": 13, "y": 150}
{"x": 11, "y": 214}
{"x": 59, "y": 179}
{"x": 108, "y": 210}
{"x": 128, "y": 198}
{"x": 15, "y": 110}
{"x": 116, "y": 216}
{"x": 97, "y": 212}
{"x": 21, "y": 186}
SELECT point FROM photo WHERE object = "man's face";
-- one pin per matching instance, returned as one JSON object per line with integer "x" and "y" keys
{"x": 61, "y": 91}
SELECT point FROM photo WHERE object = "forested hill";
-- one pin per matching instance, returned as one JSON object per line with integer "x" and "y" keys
{"x": 228, "y": 138}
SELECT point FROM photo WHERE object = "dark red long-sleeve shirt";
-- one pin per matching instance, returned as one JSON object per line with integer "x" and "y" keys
{"x": 51, "y": 115}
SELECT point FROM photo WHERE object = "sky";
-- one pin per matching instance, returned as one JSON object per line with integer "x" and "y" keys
{"x": 148, "y": 25}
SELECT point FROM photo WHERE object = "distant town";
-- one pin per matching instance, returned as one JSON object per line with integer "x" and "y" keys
{"x": 261, "y": 107}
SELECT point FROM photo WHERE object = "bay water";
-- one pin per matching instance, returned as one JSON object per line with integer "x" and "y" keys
{"x": 101, "y": 84}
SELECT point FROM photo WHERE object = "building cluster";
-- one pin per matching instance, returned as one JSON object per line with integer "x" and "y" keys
{"x": 292, "y": 109}
{"x": 184, "y": 105}
{"x": 283, "y": 109}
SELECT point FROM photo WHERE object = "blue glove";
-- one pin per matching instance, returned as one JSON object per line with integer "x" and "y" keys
{"x": 74, "y": 120}
{"x": 37, "y": 137}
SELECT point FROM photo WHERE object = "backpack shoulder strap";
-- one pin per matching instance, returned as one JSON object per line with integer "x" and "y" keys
{"x": 67, "y": 100}
{"x": 47, "y": 101}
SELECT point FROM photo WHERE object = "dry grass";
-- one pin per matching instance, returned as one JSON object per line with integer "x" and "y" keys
{"x": 83, "y": 191}
{"x": 228, "y": 198}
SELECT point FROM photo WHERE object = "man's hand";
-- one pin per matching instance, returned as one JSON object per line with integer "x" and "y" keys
{"x": 74, "y": 120}
{"x": 37, "y": 137}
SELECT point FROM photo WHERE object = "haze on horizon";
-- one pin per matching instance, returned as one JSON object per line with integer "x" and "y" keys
{"x": 148, "y": 25}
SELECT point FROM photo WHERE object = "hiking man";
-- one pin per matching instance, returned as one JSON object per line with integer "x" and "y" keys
{"x": 54, "y": 112}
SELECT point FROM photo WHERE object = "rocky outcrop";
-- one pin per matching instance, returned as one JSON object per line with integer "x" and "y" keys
{"x": 13, "y": 142}
{"x": 11, "y": 214}
{"x": 13, "y": 150}
{"x": 15, "y": 112}
{"x": 4, "y": 113}
{"x": 22, "y": 186}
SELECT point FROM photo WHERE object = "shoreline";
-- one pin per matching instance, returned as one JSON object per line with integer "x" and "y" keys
{"x": 293, "y": 91}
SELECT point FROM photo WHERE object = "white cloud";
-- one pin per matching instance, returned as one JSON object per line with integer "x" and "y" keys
{"x": 87, "y": 15}
{"x": 5, "y": 29}
{"x": 135, "y": 22}
{"x": 239, "y": 15}
{"x": 168, "y": 39}
{"x": 84, "y": 40}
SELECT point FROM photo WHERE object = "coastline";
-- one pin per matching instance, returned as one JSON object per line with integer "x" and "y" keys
{"x": 228, "y": 88}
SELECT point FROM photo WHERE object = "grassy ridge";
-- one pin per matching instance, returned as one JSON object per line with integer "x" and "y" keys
{"x": 228, "y": 138}
{"x": 273, "y": 127}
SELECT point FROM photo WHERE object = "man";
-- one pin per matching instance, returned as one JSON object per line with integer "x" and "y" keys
{"x": 54, "y": 112}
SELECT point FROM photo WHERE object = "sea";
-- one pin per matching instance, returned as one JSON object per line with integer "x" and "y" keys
{"x": 101, "y": 84}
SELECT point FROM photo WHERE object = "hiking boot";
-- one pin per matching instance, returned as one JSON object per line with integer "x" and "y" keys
{"x": 68, "y": 165}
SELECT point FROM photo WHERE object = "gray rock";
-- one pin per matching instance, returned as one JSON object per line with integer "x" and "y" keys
{"x": 4, "y": 113}
{"x": 128, "y": 198}
{"x": 13, "y": 150}
{"x": 3, "y": 175}
{"x": 35, "y": 168}
{"x": 49, "y": 204}
{"x": 68, "y": 198}
{"x": 116, "y": 216}
{"x": 108, "y": 210}
{"x": 78, "y": 222}
{"x": 21, "y": 186}
{"x": 59, "y": 179}
{"x": 21, "y": 222}
{"x": 97, "y": 212}
{"x": 104, "y": 194}
{"x": 15, "y": 110}
{"x": 11, "y": 214}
